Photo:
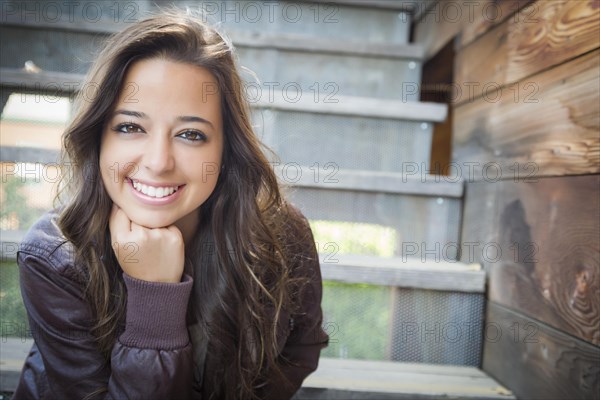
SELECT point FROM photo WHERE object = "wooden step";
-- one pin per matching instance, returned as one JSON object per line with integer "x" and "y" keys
{"x": 418, "y": 225}
{"x": 408, "y": 6}
{"x": 265, "y": 98}
{"x": 359, "y": 379}
{"x": 335, "y": 20}
{"x": 252, "y": 39}
{"x": 353, "y": 132}
{"x": 338, "y": 378}
{"x": 363, "y": 141}
{"x": 13, "y": 351}
{"x": 416, "y": 8}
{"x": 338, "y": 104}
{"x": 405, "y": 272}
{"x": 402, "y": 309}
{"x": 278, "y": 60}
{"x": 410, "y": 181}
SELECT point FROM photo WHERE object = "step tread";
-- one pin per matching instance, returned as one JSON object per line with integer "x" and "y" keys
{"x": 363, "y": 106}
{"x": 371, "y": 181}
{"x": 13, "y": 351}
{"x": 338, "y": 374}
{"x": 403, "y": 5}
{"x": 405, "y": 379}
{"x": 18, "y": 77}
{"x": 406, "y": 272}
{"x": 256, "y": 39}
{"x": 344, "y": 105}
{"x": 408, "y": 263}
{"x": 290, "y": 41}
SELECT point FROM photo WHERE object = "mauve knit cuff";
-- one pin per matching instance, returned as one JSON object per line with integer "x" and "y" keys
{"x": 156, "y": 314}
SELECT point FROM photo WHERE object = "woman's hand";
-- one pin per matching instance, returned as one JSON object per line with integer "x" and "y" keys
{"x": 155, "y": 255}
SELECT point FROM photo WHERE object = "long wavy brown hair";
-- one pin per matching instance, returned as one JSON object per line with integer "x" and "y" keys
{"x": 240, "y": 257}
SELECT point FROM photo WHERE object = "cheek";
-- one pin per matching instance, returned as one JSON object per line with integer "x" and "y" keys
{"x": 204, "y": 173}
{"x": 115, "y": 163}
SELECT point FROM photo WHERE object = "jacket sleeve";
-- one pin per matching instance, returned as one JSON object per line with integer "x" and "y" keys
{"x": 151, "y": 359}
{"x": 300, "y": 354}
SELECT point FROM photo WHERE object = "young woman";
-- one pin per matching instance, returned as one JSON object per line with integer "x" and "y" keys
{"x": 175, "y": 269}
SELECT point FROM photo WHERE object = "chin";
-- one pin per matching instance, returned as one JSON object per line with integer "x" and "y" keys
{"x": 151, "y": 220}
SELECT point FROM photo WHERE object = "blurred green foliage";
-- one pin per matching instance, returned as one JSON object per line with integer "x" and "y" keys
{"x": 12, "y": 312}
{"x": 14, "y": 204}
{"x": 356, "y": 318}
{"x": 354, "y": 238}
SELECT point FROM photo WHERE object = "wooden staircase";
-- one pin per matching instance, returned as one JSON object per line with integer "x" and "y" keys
{"x": 338, "y": 102}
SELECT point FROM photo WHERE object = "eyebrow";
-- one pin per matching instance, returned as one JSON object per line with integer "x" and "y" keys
{"x": 182, "y": 118}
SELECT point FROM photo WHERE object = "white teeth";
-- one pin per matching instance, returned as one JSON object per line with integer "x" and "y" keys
{"x": 153, "y": 191}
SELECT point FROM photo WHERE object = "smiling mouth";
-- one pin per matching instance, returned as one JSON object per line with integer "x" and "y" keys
{"x": 157, "y": 192}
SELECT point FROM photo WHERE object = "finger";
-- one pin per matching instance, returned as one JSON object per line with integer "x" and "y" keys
{"x": 137, "y": 228}
{"x": 175, "y": 230}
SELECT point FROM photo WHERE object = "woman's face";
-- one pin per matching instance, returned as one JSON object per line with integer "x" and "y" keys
{"x": 160, "y": 154}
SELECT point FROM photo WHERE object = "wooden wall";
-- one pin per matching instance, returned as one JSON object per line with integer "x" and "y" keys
{"x": 526, "y": 137}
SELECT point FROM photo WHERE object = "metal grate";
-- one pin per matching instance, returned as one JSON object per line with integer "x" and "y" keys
{"x": 424, "y": 227}
{"x": 348, "y": 142}
{"x": 437, "y": 327}
{"x": 409, "y": 325}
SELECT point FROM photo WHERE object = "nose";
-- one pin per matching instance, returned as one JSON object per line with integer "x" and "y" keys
{"x": 158, "y": 155}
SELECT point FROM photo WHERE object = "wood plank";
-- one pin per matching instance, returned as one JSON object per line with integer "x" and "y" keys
{"x": 548, "y": 264}
{"x": 438, "y": 73}
{"x": 537, "y": 361}
{"x": 466, "y": 21}
{"x": 371, "y": 181}
{"x": 551, "y": 130}
{"x": 403, "y": 272}
{"x": 488, "y": 14}
{"x": 543, "y": 35}
{"x": 382, "y": 380}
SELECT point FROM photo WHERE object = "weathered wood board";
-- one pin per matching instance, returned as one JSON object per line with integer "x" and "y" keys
{"x": 542, "y": 244}
{"x": 541, "y": 36}
{"x": 552, "y": 128}
{"x": 465, "y": 20}
{"x": 537, "y": 361}
{"x": 358, "y": 379}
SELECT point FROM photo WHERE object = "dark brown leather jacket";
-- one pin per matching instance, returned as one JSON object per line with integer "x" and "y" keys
{"x": 153, "y": 357}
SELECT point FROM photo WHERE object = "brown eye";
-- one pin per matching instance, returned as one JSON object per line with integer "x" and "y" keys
{"x": 128, "y": 128}
{"x": 193, "y": 136}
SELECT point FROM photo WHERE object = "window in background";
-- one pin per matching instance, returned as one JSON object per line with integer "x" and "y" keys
{"x": 31, "y": 126}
